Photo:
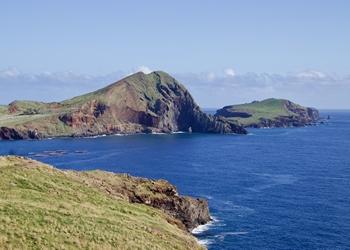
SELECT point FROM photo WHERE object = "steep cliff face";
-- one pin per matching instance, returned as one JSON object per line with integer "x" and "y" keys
{"x": 270, "y": 113}
{"x": 140, "y": 103}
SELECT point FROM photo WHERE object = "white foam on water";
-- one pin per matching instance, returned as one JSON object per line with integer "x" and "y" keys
{"x": 120, "y": 134}
{"x": 202, "y": 228}
{"x": 211, "y": 239}
{"x": 205, "y": 242}
{"x": 158, "y": 133}
{"x": 94, "y": 137}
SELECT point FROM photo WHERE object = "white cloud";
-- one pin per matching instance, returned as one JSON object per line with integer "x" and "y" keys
{"x": 10, "y": 72}
{"x": 50, "y": 86}
{"x": 144, "y": 69}
{"x": 209, "y": 89}
{"x": 312, "y": 74}
{"x": 310, "y": 88}
{"x": 230, "y": 72}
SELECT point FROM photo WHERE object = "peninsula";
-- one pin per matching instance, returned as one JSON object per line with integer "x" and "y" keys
{"x": 139, "y": 103}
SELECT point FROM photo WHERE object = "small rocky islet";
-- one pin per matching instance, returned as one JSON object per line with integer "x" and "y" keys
{"x": 270, "y": 113}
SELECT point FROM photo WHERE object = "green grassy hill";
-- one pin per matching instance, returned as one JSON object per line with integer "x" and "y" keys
{"x": 269, "y": 108}
{"x": 269, "y": 112}
{"x": 45, "y": 208}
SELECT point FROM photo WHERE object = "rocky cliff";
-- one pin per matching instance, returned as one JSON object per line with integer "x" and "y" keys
{"x": 140, "y": 103}
{"x": 191, "y": 212}
{"x": 270, "y": 113}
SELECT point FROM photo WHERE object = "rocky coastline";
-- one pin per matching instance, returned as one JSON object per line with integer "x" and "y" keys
{"x": 187, "y": 212}
{"x": 140, "y": 103}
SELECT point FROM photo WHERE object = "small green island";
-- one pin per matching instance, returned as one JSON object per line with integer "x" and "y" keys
{"x": 42, "y": 207}
{"x": 269, "y": 113}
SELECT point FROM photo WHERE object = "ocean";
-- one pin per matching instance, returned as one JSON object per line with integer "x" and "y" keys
{"x": 286, "y": 188}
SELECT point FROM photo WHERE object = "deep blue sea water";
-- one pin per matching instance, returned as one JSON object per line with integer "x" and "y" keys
{"x": 272, "y": 189}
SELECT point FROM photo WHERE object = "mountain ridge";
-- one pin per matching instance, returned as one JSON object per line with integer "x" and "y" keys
{"x": 139, "y": 103}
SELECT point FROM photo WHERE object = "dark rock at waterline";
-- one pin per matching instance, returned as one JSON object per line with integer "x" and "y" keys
{"x": 14, "y": 134}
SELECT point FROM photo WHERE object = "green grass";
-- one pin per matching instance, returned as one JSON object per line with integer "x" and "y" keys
{"x": 22, "y": 106}
{"x": 48, "y": 124}
{"x": 45, "y": 208}
{"x": 3, "y": 109}
{"x": 13, "y": 120}
{"x": 79, "y": 100}
{"x": 142, "y": 84}
{"x": 267, "y": 109}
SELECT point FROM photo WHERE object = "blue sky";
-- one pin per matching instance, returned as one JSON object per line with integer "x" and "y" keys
{"x": 204, "y": 42}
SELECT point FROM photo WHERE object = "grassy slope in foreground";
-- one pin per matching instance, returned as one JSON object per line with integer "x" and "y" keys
{"x": 3, "y": 109}
{"x": 43, "y": 207}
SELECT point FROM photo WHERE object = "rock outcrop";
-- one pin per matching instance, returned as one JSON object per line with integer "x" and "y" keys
{"x": 191, "y": 212}
{"x": 140, "y": 103}
{"x": 270, "y": 113}
{"x": 13, "y": 134}
{"x": 183, "y": 211}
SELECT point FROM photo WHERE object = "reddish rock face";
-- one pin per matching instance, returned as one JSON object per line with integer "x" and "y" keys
{"x": 12, "y": 108}
{"x": 85, "y": 115}
{"x": 139, "y": 103}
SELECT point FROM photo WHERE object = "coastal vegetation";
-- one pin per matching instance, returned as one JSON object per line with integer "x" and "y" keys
{"x": 43, "y": 207}
{"x": 139, "y": 103}
{"x": 269, "y": 113}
